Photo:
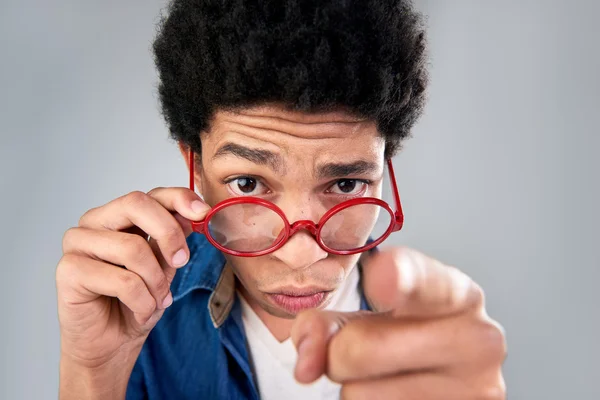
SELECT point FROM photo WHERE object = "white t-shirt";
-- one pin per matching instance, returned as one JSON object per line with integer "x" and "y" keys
{"x": 274, "y": 361}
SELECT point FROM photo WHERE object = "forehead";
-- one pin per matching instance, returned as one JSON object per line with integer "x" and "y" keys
{"x": 294, "y": 134}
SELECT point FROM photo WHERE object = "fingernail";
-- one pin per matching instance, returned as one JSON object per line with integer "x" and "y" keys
{"x": 180, "y": 258}
{"x": 199, "y": 207}
{"x": 168, "y": 300}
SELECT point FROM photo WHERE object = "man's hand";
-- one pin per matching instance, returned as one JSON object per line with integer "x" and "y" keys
{"x": 114, "y": 285}
{"x": 431, "y": 338}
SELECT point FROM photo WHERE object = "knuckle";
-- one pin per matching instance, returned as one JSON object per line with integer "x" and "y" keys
{"x": 492, "y": 343}
{"x": 477, "y": 294}
{"x": 345, "y": 355}
{"x": 463, "y": 291}
{"x": 135, "y": 248}
{"x": 135, "y": 289}
{"x": 84, "y": 218}
{"x": 161, "y": 285}
{"x": 155, "y": 190}
{"x": 147, "y": 305}
{"x": 495, "y": 392}
{"x": 137, "y": 251}
{"x": 309, "y": 320}
{"x": 135, "y": 198}
{"x": 68, "y": 237}
{"x": 65, "y": 267}
{"x": 132, "y": 284}
{"x": 310, "y": 323}
{"x": 172, "y": 232}
{"x": 68, "y": 274}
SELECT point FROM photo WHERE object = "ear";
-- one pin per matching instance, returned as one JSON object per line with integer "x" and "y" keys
{"x": 185, "y": 153}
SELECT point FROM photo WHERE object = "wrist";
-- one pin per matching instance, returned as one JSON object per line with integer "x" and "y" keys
{"x": 99, "y": 380}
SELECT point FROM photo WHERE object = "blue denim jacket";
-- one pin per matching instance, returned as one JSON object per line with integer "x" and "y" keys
{"x": 198, "y": 348}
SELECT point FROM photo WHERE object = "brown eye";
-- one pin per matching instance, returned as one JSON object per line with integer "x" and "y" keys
{"x": 346, "y": 185}
{"x": 246, "y": 185}
{"x": 351, "y": 187}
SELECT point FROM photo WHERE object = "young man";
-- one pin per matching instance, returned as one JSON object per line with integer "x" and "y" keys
{"x": 287, "y": 113}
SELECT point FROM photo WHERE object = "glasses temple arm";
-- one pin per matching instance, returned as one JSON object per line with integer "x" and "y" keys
{"x": 191, "y": 162}
{"x": 399, "y": 214}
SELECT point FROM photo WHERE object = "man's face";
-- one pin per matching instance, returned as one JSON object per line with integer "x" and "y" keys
{"x": 305, "y": 164}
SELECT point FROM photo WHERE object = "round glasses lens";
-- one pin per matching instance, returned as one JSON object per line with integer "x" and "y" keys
{"x": 350, "y": 228}
{"x": 246, "y": 227}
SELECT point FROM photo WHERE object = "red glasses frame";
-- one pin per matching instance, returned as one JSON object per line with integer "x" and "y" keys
{"x": 290, "y": 229}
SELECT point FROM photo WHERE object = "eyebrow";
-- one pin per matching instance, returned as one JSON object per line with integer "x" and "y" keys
{"x": 256, "y": 156}
{"x": 338, "y": 170}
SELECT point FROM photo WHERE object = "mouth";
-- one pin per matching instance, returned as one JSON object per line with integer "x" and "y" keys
{"x": 293, "y": 300}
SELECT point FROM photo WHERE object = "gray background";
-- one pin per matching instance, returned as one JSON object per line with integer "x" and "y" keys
{"x": 500, "y": 179}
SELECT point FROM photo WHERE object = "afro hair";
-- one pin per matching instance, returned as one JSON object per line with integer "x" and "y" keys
{"x": 367, "y": 56}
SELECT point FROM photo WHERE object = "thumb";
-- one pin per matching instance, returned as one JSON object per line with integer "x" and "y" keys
{"x": 411, "y": 284}
{"x": 311, "y": 333}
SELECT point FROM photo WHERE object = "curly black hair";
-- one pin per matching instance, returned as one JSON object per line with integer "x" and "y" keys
{"x": 367, "y": 56}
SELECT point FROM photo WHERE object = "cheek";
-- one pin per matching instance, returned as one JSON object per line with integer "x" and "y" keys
{"x": 250, "y": 271}
{"x": 242, "y": 266}
{"x": 346, "y": 262}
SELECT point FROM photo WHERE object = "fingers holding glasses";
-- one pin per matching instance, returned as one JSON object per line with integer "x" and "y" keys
{"x": 185, "y": 205}
{"x": 152, "y": 213}
{"x": 117, "y": 233}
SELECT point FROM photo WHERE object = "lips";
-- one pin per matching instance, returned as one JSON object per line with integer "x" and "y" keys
{"x": 294, "y": 300}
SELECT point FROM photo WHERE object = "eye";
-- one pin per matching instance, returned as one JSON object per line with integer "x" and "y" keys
{"x": 349, "y": 187}
{"x": 246, "y": 186}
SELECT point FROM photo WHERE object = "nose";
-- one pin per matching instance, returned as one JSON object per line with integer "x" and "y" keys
{"x": 300, "y": 251}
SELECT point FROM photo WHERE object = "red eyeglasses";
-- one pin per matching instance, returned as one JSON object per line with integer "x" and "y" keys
{"x": 251, "y": 227}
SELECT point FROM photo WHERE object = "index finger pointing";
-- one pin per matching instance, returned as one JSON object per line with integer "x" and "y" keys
{"x": 379, "y": 346}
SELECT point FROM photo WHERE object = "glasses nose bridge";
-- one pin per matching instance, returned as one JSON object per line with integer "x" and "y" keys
{"x": 304, "y": 224}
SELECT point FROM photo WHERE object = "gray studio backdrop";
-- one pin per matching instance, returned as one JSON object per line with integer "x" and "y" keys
{"x": 500, "y": 179}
